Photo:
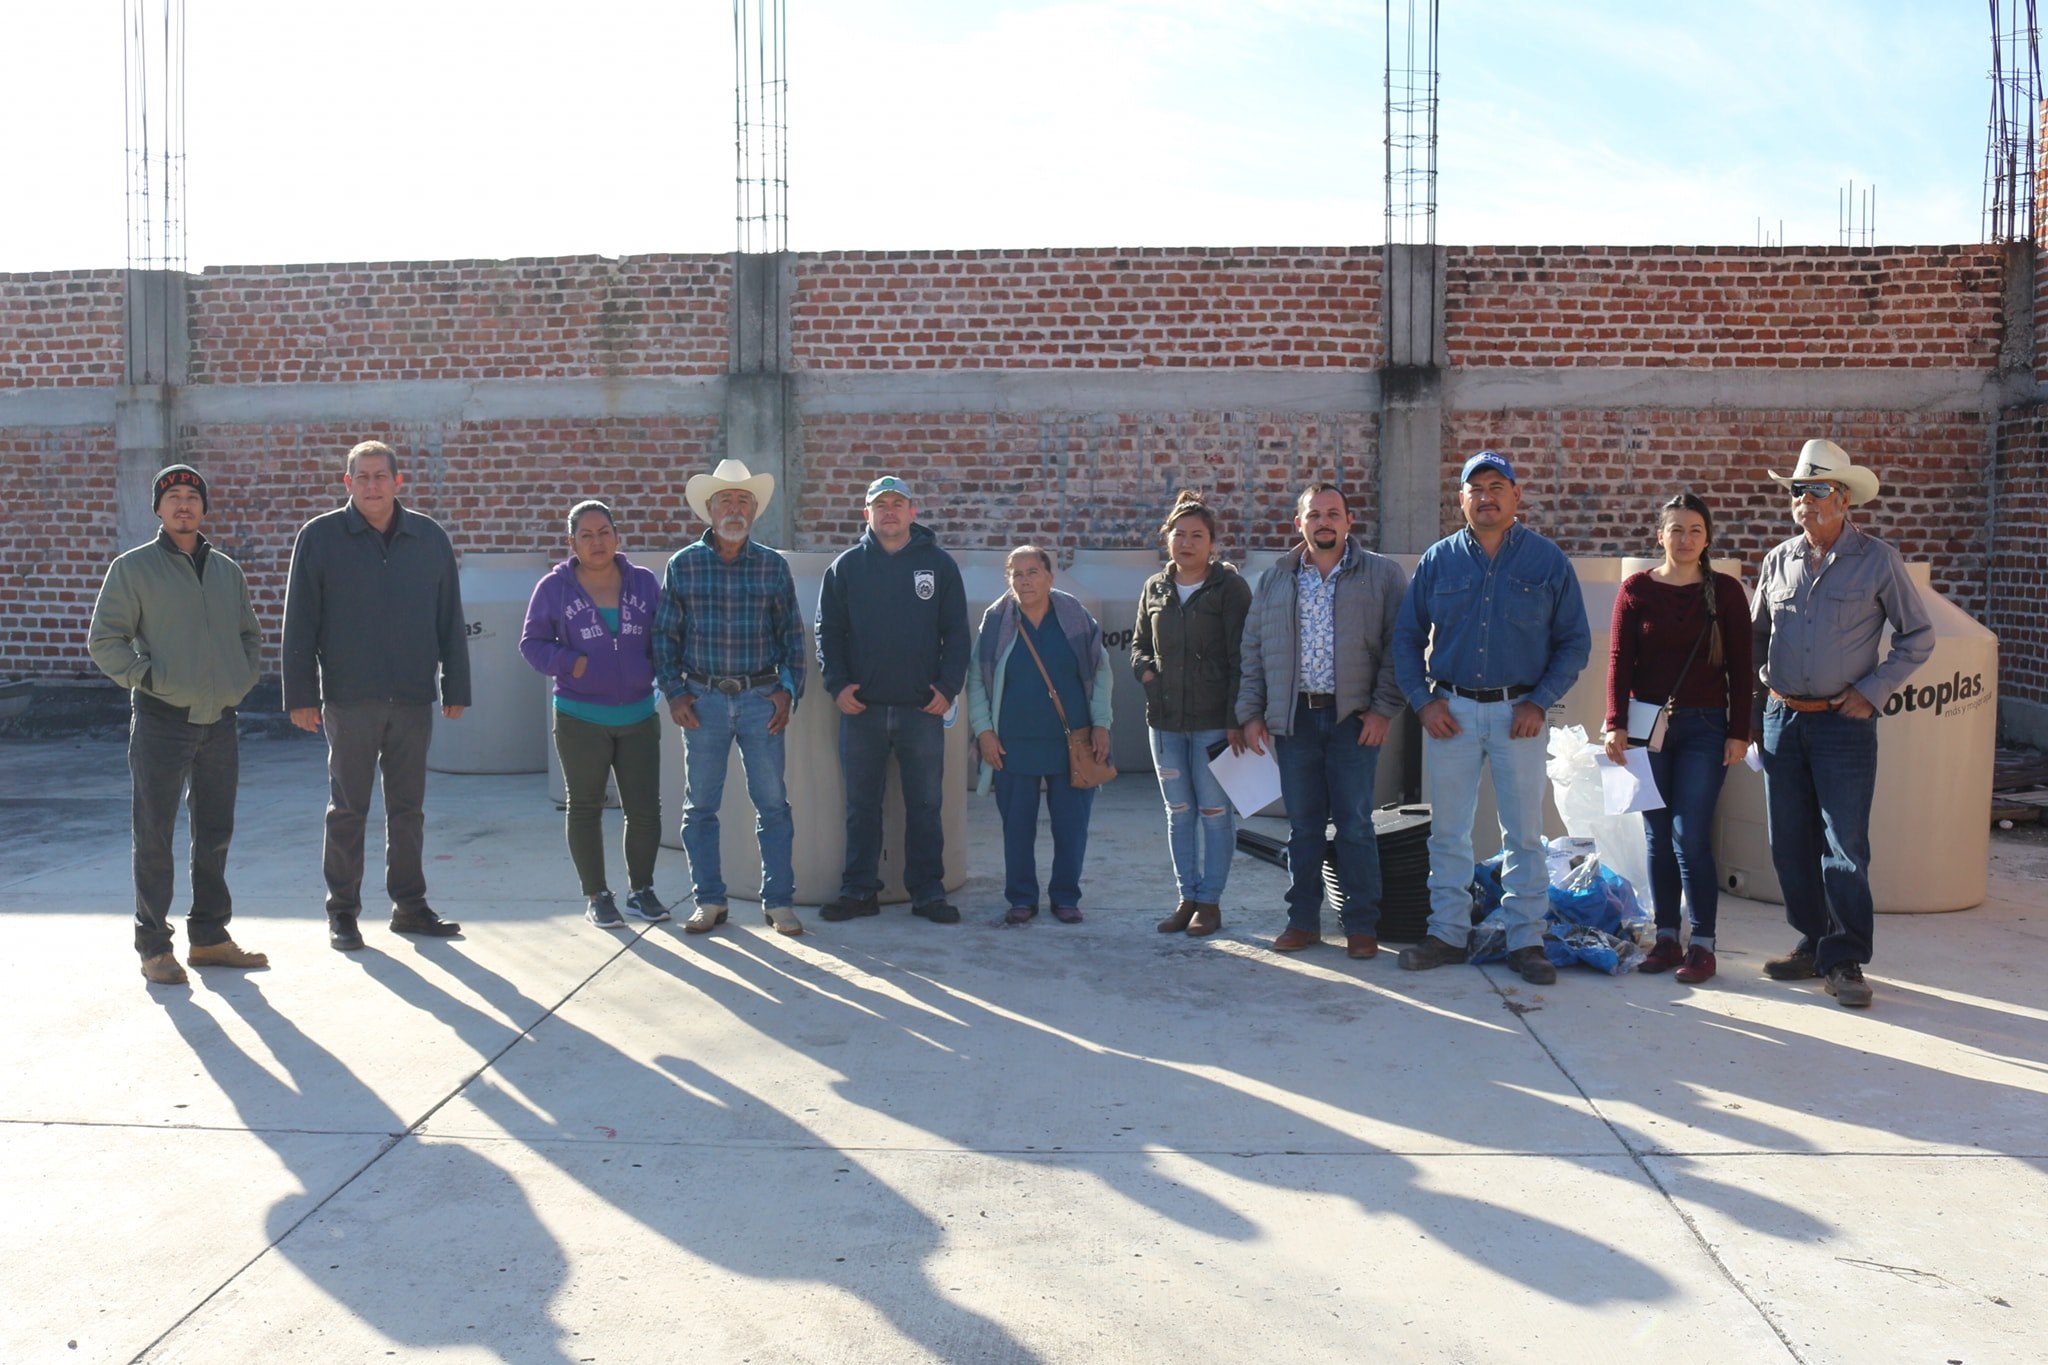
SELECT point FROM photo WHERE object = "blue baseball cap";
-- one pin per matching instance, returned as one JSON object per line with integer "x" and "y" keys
{"x": 888, "y": 483}
{"x": 1485, "y": 459}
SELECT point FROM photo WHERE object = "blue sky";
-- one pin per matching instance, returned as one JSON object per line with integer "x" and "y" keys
{"x": 413, "y": 129}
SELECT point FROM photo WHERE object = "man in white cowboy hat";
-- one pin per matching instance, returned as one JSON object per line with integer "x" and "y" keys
{"x": 729, "y": 656}
{"x": 1822, "y": 599}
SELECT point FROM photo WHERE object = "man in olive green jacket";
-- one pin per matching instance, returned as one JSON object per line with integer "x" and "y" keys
{"x": 173, "y": 625}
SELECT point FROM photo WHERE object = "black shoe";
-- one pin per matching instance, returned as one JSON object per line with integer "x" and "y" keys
{"x": 1431, "y": 952}
{"x": 852, "y": 907}
{"x": 342, "y": 934}
{"x": 1796, "y": 965}
{"x": 424, "y": 922}
{"x": 1534, "y": 965}
{"x": 1845, "y": 982}
{"x": 938, "y": 912}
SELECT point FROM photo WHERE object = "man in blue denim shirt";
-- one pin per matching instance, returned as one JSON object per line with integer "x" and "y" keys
{"x": 1499, "y": 611}
{"x": 729, "y": 656}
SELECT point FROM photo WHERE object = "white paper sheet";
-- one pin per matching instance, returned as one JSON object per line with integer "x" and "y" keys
{"x": 1628, "y": 786}
{"x": 1252, "y": 781}
{"x": 1754, "y": 757}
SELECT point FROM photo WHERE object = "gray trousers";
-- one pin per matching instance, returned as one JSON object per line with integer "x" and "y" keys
{"x": 364, "y": 738}
{"x": 167, "y": 758}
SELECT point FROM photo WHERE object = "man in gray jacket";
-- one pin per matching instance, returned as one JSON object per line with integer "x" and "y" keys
{"x": 173, "y": 625}
{"x": 1319, "y": 681}
{"x": 373, "y": 636}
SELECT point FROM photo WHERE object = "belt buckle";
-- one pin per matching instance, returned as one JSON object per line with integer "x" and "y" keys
{"x": 731, "y": 687}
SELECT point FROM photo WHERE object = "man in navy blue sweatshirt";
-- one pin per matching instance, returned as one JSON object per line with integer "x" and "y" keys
{"x": 893, "y": 645}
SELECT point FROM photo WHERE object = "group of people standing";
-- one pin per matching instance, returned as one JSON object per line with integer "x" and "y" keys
{"x": 1315, "y": 665}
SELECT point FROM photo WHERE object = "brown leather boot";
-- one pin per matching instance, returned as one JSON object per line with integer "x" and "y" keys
{"x": 1207, "y": 919}
{"x": 1178, "y": 920}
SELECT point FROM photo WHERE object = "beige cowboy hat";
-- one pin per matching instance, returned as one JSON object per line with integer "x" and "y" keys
{"x": 1826, "y": 460}
{"x": 701, "y": 488}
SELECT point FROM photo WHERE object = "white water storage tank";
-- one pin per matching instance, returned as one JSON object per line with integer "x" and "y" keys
{"x": 817, "y": 791}
{"x": 496, "y": 734}
{"x": 1930, "y": 820}
{"x": 1116, "y": 580}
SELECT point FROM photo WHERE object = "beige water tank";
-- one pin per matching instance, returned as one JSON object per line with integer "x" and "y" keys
{"x": 817, "y": 789}
{"x": 1116, "y": 580}
{"x": 496, "y": 733}
{"x": 1930, "y": 818}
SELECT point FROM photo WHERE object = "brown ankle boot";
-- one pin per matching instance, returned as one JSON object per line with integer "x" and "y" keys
{"x": 1207, "y": 919}
{"x": 1178, "y": 920}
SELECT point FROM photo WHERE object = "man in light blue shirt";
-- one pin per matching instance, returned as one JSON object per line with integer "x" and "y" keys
{"x": 1491, "y": 633}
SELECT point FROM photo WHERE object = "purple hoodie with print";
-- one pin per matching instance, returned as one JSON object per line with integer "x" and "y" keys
{"x": 562, "y": 626}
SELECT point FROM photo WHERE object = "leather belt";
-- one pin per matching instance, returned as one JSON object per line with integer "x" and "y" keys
{"x": 1488, "y": 693}
{"x": 1319, "y": 701}
{"x": 736, "y": 683}
{"x": 1807, "y": 704}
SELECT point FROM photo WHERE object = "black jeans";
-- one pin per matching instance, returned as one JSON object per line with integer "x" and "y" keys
{"x": 169, "y": 757}
{"x": 363, "y": 738}
{"x": 591, "y": 754}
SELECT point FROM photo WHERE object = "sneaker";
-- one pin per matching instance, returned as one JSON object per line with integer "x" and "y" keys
{"x": 342, "y": 934}
{"x": 1796, "y": 965}
{"x": 938, "y": 912}
{"x": 1699, "y": 965}
{"x": 1663, "y": 957}
{"x": 850, "y": 907}
{"x": 162, "y": 969}
{"x": 783, "y": 918}
{"x": 644, "y": 904}
{"x": 1431, "y": 952}
{"x": 704, "y": 919}
{"x": 1845, "y": 982}
{"x": 224, "y": 954}
{"x": 424, "y": 922}
{"x": 604, "y": 912}
{"x": 1533, "y": 965}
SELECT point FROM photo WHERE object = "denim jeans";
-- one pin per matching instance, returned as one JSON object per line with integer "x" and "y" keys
{"x": 919, "y": 743}
{"x": 591, "y": 754}
{"x": 722, "y": 719}
{"x": 363, "y": 739}
{"x": 168, "y": 758}
{"x": 1068, "y": 806}
{"x": 1450, "y": 780}
{"x": 1689, "y": 774}
{"x": 1820, "y": 772}
{"x": 1202, "y": 844}
{"x": 1326, "y": 777}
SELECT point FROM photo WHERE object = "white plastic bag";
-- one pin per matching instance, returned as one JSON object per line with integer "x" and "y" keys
{"x": 1575, "y": 779}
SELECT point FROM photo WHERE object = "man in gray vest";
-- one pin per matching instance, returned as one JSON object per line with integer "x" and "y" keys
{"x": 373, "y": 637}
{"x": 1822, "y": 600}
{"x": 173, "y": 625}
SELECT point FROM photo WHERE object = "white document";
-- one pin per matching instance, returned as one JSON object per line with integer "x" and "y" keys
{"x": 1628, "y": 786}
{"x": 1754, "y": 757}
{"x": 1252, "y": 781}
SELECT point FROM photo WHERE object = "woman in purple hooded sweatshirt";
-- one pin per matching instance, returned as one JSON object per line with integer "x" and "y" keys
{"x": 589, "y": 627}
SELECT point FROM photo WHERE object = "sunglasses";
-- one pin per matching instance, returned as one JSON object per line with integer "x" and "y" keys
{"x": 1819, "y": 492}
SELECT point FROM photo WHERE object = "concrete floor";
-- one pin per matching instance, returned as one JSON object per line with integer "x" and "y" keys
{"x": 894, "y": 1141}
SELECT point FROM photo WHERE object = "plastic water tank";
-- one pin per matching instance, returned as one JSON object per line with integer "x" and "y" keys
{"x": 496, "y": 734}
{"x": 817, "y": 789}
{"x": 1930, "y": 827}
{"x": 1116, "y": 580}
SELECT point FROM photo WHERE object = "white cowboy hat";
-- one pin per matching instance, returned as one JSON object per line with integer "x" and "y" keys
{"x": 1826, "y": 460}
{"x": 701, "y": 488}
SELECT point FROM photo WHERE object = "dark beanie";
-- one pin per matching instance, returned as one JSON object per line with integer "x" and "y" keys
{"x": 179, "y": 476}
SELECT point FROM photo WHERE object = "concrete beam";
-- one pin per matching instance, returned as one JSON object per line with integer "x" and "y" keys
{"x": 1086, "y": 392}
{"x": 454, "y": 400}
{"x": 32, "y": 408}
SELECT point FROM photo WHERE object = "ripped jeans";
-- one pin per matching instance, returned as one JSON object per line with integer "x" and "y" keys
{"x": 1200, "y": 864}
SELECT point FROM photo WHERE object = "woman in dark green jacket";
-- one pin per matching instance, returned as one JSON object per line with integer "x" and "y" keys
{"x": 1185, "y": 653}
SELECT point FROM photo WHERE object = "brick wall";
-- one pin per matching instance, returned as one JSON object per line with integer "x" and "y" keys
{"x": 991, "y": 481}
{"x": 60, "y": 328}
{"x": 57, "y": 522}
{"x": 1272, "y": 306}
{"x": 1724, "y": 306}
{"x": 566, "y": 317}
{"x": 2018, "y": 575}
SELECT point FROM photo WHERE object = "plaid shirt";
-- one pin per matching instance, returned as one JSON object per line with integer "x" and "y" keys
{"x": 724, "y": 620}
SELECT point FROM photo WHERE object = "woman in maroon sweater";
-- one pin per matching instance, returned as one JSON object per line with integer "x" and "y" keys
{"x": 1682, "y": 617}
